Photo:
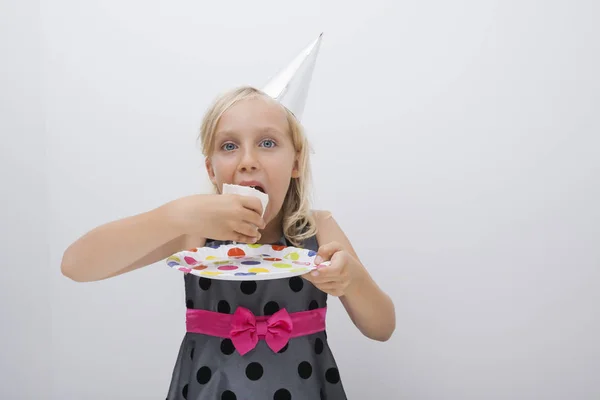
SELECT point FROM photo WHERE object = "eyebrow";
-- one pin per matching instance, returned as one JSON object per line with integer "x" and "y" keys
{"x": 234, "y": 133}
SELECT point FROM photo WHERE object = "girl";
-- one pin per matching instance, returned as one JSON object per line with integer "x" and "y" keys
{"x": 248, "y": 138}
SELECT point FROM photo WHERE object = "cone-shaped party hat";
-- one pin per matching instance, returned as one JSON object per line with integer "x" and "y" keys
{"x": 290, "y": 85}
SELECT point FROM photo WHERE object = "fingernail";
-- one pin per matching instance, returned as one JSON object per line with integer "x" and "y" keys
{"x": 318, "y": 260}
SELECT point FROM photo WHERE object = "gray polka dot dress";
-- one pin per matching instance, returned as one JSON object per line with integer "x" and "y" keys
{"x": 209, "y": 367}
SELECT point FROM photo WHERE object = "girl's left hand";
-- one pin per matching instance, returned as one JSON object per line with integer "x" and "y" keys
{"x": 336, "y": 278}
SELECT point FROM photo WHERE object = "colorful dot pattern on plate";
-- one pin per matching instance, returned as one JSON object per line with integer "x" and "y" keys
{"x": 244, "y": 262}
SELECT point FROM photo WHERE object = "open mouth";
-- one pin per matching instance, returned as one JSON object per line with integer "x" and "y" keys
{"x": 259, "y": 188}
{"x": 254, "y": 185}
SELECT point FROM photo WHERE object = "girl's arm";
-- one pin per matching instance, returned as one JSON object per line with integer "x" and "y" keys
{"x": 369, "y": 308}
{"x": 140, "y": 240}
{"x": 126, "y": 244}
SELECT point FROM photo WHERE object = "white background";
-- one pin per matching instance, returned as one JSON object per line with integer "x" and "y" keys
{"x": 457, "y": 143}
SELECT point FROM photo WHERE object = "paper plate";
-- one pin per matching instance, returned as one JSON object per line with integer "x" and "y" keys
{"x": 241, "y": 262}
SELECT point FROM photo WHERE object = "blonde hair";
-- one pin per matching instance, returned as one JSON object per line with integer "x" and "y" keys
{"x": 298, "y": 221}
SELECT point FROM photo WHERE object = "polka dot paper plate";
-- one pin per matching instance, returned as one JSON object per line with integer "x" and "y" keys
{"x": 239, "y": 262}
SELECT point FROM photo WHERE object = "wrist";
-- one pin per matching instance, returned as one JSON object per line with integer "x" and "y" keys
{"x": 360, "y": 281}
{"x": 173, "y": 216}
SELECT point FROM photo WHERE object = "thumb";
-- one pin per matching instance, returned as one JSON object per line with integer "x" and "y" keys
{"x": 326, "y": 252}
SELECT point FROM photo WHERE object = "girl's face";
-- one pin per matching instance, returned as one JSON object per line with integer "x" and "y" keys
{"x": 253, "y": 147}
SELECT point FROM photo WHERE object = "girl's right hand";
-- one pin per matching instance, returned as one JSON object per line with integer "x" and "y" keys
{"x": 220, "y": 216}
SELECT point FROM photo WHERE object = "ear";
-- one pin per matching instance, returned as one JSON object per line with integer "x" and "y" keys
{"x": 296, "y": 168}
{"x": 210, "y": 170}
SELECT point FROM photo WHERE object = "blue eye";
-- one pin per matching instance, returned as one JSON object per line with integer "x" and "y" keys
{"x": 272, "y": 143}
{"x": 228, "y": 146}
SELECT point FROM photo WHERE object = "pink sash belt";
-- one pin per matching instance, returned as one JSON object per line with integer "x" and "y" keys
{"x": 245, "y": 329}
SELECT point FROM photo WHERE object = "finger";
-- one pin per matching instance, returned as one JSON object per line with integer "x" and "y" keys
{"x": 326, "y": 251}
{"x": 330, "y": 287}
{"x": 309, "y": 277}
{"x": 324, "y": 280}
{"x": 241, "y": 238}
{"x": 246, "y": 233}
{"x": 247, "y": 229}
{"x": 331, "y": 272}
{"x": 318, "y": 282}
{"x": 318, "y": 279}
{"x": 249, "y": 216}
{"x": 252, "y": 203}
{"x": 335, "y": 292}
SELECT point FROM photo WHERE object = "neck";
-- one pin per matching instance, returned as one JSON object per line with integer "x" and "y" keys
{"x": 273, "y": 231}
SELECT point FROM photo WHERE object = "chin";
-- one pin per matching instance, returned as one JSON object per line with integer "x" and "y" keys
{"x": 267, "y": 217}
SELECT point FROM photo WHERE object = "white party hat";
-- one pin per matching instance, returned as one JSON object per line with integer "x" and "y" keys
{"x": 290, "y": 85}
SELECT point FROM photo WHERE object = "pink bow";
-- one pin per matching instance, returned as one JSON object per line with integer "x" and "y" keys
{"x": 247, "y": 329}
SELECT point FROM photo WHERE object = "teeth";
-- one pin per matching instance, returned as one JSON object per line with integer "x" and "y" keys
{"x": 260, "y": 189}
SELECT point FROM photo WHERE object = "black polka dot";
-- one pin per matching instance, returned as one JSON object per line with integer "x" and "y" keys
{"x": 184, "y": 391}
{"x": 282, "y": 394}
{"x": 189, "y": 304}
{"x": 248, "y": 287}
{"x": 296, "y": 284}
{"x": 254, "y": 371}
{"x": 205, "y": 283}
{"x": 223, "y": 307}
{"x": 271, "y": 308}
{"x": 203, "y": 375}
{"x": 332, "y": 375}
{"x": 304, "y": 370}
{"x": 318, "y": 346}
{"x": 284, "y": 348}
{"x": 227, "y": 347}
{"x": 313, "y": 305}
{"x": 228, "y": 395}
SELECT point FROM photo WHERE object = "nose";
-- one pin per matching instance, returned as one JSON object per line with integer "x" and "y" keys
{"x": 249, "y": 161}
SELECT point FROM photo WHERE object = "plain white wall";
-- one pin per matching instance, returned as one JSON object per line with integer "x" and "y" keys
{"x": 456, "y": 142}
{"x": 26, "y": 272}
